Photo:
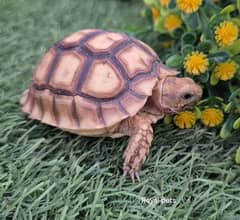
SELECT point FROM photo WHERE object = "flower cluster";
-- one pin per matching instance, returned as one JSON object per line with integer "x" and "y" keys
{"x": 210, "y": 117}
{"x": 201, "y": 40}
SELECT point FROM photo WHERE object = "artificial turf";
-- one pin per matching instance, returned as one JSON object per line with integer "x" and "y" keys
{"x": 46, "y": 173}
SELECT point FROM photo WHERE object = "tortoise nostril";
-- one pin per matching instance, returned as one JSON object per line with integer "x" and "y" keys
{"x": 187, "y": 96}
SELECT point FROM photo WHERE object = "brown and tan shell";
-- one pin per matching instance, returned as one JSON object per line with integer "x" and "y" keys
{"x": 92, "y": 80}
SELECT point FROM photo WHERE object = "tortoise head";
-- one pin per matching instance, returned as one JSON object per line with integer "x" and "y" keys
{"x": 173, "y": 94}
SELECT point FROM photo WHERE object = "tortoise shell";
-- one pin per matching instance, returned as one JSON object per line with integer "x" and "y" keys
{"x": 91, "y": 80}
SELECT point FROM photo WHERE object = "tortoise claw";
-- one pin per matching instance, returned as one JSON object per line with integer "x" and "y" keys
{"x": 125, "y": 173}
{"x": 137, "y": 176}
{"x": 132, "y": 173}
{"x": 132, "y": 177}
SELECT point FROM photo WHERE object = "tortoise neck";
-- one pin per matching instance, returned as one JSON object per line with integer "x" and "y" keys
{"x": 156, "y": 99}
{"x": 151, "y": 108}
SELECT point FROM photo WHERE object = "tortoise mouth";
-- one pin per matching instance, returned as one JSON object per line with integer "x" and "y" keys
{"x": 172, "y": 111}
{"x": 189, "y": 106}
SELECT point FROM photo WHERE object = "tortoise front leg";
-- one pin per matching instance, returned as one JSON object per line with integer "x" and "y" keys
{"x": 141, "y": 134}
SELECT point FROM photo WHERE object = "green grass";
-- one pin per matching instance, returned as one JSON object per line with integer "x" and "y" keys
{"x": 46, "y": 173}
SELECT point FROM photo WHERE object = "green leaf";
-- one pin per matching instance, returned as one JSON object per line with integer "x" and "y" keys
{"x": 234, "y": 48}
{"x": 227, "y": 10}
{"x": 237, "y": 156}
{"x": 226, "y": 129}
{"x": 175, "y": 61}
{"x": 236, "y": 21}
{"x": 216, "y": 19}
{"x": 159, "y": 26}
{"x": 212, "y": 7}
{"x": 232, "y": 88}
{"x": 186, "y": 49}
{"x": 197, "y": 112}
{"x": 204, "y": 46}
{"x": 236, "y": 58}
{"x": 164, "y": 37}
{"x": 203, "y": 78}
{"x": 167, "y": 119}
{"x": 234, "y": 95}
{"x": 238, "y": 4}
{"x": 238, "y": 107}
{"x": 236, "y": 124}
{"x": 188, "y": 38}
{"x": 177, "y": 33}
{"x": 203, "y": 102}
{"x": 213, "y": 79}
{"x": 150, "y": 2}
{"x": 192, "y": 20}
{"x": 228, "y": 107}
{"x": 219, "y": 57}
{"x": 205, "y": 24}
{"x": 172, "y": 4}
{"x": 149, "y": 15}
{"x": 212, "y": 101}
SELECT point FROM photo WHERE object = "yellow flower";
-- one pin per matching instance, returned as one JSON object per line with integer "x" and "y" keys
{"x": 226, "y": 33}
{"x": 225, "y": 71}
{"x": 189, "y": 6}
{"x": 196, "y": 63}
{"x": 185, "y": 119}
{"x": 212, "y": 117}
{"x": 155, "y": 14}
{"x": 164, "y": 2}
{"x": 172, "y": 22}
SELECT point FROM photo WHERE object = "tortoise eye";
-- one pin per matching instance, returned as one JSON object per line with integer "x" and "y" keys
{"x": 187, "y": 96}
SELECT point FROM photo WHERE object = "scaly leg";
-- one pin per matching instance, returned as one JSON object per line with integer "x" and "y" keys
{"x": 141, "y": 134}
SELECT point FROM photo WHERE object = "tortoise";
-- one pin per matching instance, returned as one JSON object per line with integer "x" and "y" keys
{"x": 104, "y": 83}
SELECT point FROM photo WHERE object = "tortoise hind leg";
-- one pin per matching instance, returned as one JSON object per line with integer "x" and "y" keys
{"x": 141, "y": 134}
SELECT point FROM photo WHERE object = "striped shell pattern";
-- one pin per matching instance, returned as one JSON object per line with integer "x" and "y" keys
{"x": 92, "y": 79}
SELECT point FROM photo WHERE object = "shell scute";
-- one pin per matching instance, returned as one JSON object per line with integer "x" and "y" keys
{"x": 103, "y": 80}
{"x": 105, "y": 42}
{"x": 37, "y": 110}
{"x": 48, "y": 105}
{"x": 132, "y": 104}
{"x": 112, "y": 112}
{"x": 145, "y": 47}
{"x": 74, "y": 39}
{"x": 87, "y": 113}
{"x": 67, "y": 71}
{"x": 64, "y": 108}
{"x": 135, "y": 60}
{"x": 144, "y": 86}
{"x": 42, "y": 70}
